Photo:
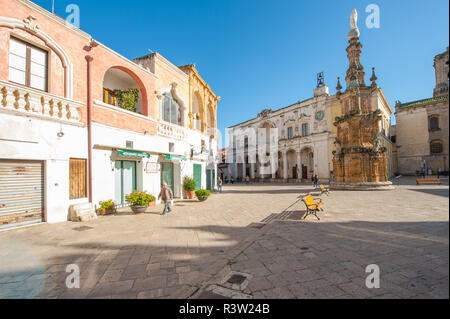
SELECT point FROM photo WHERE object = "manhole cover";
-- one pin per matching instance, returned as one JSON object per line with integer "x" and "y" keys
{"x": 83, "y": 228}
{"x": 236, "y": 279}
{"x": 256, "y": 225}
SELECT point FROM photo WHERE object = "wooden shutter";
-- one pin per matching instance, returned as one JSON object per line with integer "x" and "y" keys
{"x": 77, "y": 173}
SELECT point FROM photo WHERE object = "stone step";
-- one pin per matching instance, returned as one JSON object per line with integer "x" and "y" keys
{"x": 82, "y": 212}
{"x": 83, "y": 206}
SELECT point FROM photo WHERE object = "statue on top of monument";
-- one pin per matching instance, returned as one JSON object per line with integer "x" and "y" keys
{"x": 354, "y": 19}
{"x": 354, "y": 31}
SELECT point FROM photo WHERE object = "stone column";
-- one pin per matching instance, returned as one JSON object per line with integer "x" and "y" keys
{"x": 273, "y": 166}
{"x": 299, "y": 164}
{"x": 235, "y": 171}
{"x": 252, "y": 170}
{"x": 285, "y": 164}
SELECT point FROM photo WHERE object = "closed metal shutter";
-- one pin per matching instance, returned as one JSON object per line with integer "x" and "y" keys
{"x": 21, "y": 193}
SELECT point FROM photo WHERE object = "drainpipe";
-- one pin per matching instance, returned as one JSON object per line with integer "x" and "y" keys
{"x": 89, "y": 59}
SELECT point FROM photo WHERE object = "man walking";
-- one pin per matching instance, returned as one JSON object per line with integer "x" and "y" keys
{"x": 167, "y": 196}
{"x": 219, "y": 184}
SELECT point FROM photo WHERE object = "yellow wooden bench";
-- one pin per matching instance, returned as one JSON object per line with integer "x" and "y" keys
{"x": 312, "y": 207}
{"x": 324, "y": 190}
{"x": 434, "y": 181}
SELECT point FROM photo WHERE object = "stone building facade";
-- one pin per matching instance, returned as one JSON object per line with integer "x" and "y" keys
{"x": 300, "y": 138}
{"x": 422, "y": 134}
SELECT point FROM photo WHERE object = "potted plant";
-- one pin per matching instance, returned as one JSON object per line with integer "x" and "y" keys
{"x": 202, "y": 194}
{"x": 127, "y": 99}
{"x": 106, "y": 207}
{"x": 189, "y": 187}
{"x": 139, "y": 201}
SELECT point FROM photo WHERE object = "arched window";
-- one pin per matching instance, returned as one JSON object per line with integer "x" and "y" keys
{"x": 434, "y": 122}
{"x": 171, "y": 110}
{"x": 436, "y": 147}
{"x": 197, "y": 123}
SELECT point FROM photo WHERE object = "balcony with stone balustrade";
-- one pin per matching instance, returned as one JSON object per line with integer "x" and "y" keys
{"x": 19, "y": 100}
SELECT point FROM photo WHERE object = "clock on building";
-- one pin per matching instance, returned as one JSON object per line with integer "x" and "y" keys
{"x": 320, "y": 115}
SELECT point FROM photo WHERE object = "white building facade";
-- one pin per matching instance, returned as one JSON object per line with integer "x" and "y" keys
{"x": 300, "y": 144}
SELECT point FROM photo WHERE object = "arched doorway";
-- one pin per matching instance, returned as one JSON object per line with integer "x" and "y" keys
{"x": 292, "y": 164}
{"x": 307, "y": 157}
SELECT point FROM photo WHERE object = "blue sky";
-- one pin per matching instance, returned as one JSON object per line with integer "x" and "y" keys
{"x": 259, "y": 54}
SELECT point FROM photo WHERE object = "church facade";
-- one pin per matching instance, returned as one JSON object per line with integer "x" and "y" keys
{"x": 300, "y": 138}
{"x": 426, "y": 146}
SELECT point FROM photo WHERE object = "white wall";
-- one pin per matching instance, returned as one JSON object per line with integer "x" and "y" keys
{"x": 105, "y": 138}
{"x": 29, "y": 138}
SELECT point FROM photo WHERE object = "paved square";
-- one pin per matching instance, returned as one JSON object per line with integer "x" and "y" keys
{"x": 405, "y": 232}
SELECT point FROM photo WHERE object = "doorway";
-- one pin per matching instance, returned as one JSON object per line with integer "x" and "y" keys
{"x": 198, "y": 176}
{"x": 210, "y": 179}
{"x": 304, "y": 172}
{"x": 125, "y": 180}
{"x": 167, "y": 175}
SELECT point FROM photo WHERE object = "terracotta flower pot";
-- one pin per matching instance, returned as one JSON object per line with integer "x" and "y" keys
{"x": 190, "y": 194}
{"x": 101, "y": 211}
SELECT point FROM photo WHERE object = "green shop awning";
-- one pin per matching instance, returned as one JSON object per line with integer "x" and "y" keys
{"x": 136, "y": 154}
{"x": 171, "y": 157}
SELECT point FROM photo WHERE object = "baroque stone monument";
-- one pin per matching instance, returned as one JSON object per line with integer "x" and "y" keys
{"x": 360, "y": 161}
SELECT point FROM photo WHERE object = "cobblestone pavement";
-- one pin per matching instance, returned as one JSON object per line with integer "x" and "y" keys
{"x": 246, "y": 229}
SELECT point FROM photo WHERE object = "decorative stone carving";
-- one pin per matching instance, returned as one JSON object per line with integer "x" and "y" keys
{"x": 43, "y": 104}
{"x": 30, "y": 24}
{"x": 27, "y": 101}
{"x": 4, "y": 95}
{"x": 51, "y": 112}
{"x": 16, "y": 94}
{"x": 60, "y": 106}
{"x": 68, "y": 114}
{"x": 265, "y": 113}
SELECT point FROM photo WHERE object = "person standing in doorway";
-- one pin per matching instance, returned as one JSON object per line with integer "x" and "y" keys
{"x": 167, "y": 196}
{"x": 219, "y": 184}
